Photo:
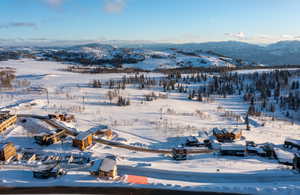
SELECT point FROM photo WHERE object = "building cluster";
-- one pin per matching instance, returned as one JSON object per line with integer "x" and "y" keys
{"x": 232, "y": 143}
{"x": 105, "y": 168}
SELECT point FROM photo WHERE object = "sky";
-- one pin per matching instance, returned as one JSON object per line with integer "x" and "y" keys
{"x": 253, "y": 21}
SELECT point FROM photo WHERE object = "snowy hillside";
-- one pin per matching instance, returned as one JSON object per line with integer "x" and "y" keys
{"x": 161, "y": 115}
{"x": 109, "y": 56}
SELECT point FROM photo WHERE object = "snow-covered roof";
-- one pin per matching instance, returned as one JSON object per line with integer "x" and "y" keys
{"x": 98, "y": 129}
{"x": 192, "y": 139}
{"x": 284, "y": 156}
{"x": 217, "y": 131}
{"x": 234, "y": 131}
{"x": 294, "y": 141}
{"x": 108, "y": 164}
{"x": 233, "y": 147}
{"x": 83, "y": 135}
{"x": 4, "y": 144}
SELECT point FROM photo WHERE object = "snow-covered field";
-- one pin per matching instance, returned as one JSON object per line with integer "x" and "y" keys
{"x": 148, "y": 124}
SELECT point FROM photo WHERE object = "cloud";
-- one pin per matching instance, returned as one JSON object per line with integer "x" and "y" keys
{"x": 18, "y": 24}
{"x": 114, "y": 6}
{"x": 286, "y": 36}
{"x": 239, "y": 35}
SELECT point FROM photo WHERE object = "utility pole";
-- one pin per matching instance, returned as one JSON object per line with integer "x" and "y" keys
{"x": 83, "y": 102}
{"x": 47, "y": 96}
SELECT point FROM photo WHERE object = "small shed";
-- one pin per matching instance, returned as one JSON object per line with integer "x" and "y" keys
{"x": 106, "y": 168}
{"x": 179, "y": 153}
{"x": 233, "y": 149}
{"x": 7, "y": 151}
{"x": 83, "y": 140}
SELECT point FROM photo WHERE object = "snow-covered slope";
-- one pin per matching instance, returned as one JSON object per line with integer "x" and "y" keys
{"x": 174, "y": 58}
{"x": 107, "y": 55}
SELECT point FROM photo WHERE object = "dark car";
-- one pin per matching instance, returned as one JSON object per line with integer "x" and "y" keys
{"x": 52, "y": 172}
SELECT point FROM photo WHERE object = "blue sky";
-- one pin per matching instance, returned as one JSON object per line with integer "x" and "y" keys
{"x": 257, "y": 21}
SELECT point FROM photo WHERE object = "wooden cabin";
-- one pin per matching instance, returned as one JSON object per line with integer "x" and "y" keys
{"x": 63, "y": 117}
{"x": 236, "y": 133}
{"x": 233, "y": 150}
{"x": 192, "y": 141}
{"x": 107, "y": 133}
{"x": 26, "y": 156}
{"x": 48, "y": 139}
{"x": 179, "y": 153}
{"x": 224, "y": 135}
{"x": 292, "y": 143}
{"x": 7, "y": 151}
{"x": 107, "y": 168}
{"x": 83, "y": 140}
{"x": 6, "y": 120}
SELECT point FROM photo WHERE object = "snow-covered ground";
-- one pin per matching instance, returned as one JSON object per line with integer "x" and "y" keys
{"x": 173, "y": 59}
{"x": 160, "y": 124}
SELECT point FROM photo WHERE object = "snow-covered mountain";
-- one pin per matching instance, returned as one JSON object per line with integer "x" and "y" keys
{"x": 280, "y": 53}
{"x": 160, "y": 56}
{"x": 110, "y": 56}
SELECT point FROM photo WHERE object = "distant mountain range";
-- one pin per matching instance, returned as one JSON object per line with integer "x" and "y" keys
{"x": 150, "y": 55}
{"x": 280, "y": 53}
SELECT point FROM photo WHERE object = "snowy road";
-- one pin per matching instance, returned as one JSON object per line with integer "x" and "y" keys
{"x": 111, "y": 143}
{"x": 253, "y": 177}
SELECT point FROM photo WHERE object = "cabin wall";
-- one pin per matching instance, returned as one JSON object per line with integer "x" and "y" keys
{"x": 5, "y": 123}
{"x": 84, "y": 143}
{"x": 7, "y": 152}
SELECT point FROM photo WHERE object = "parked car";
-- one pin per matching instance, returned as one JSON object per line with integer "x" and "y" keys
{"x": 52, "y": 172}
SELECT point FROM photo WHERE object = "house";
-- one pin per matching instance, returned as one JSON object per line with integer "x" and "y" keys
{"x": 7, "y": 151}
{"x": 292, "y": 143}
{"x": 179, "y": 153}
{"x": 48, "y": 139}
{"x": 83, "y": 140}
{"x": 225, "y": 135}
{"x": 27, "y": 156}
{"x": 233, "y": 149}
{"x": 236, "y": 133}
{"x": 107, "y": 133}
{"x": 6, "y": 120}
{"x": 63, "y": 117}
{"x": 107, "y": 168}
{"x": 192, "y": 141}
